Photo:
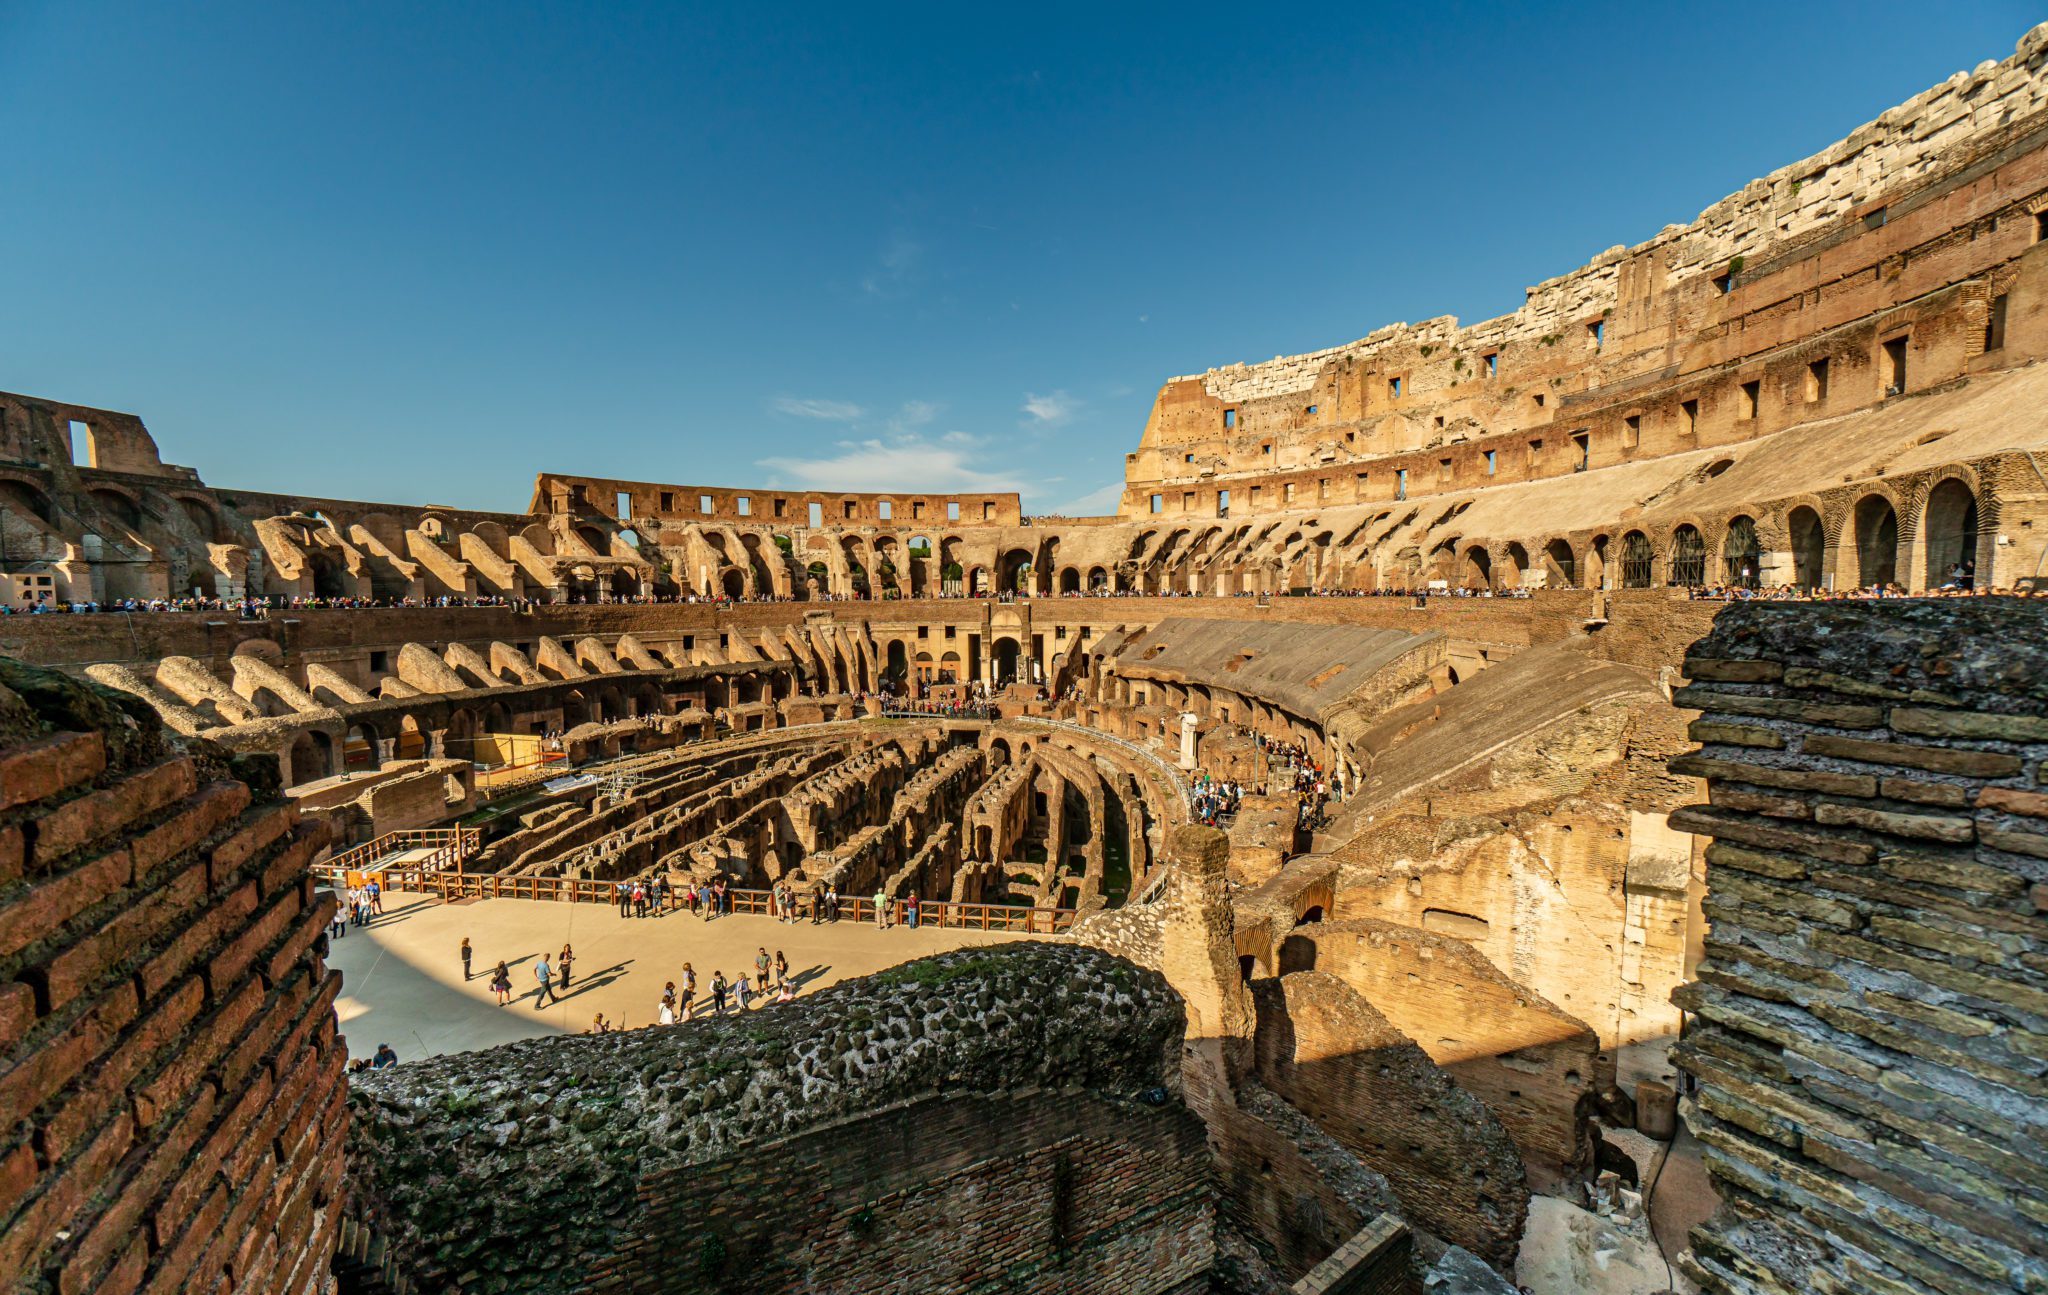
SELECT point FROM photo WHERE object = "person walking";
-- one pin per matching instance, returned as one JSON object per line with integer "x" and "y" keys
{"x": 465, "y": 959}
{"x": 501, "y": 984}
{"x": 545, "y": 975}
{"x": 562, "y": 964}
{"x": 718, "y": 993}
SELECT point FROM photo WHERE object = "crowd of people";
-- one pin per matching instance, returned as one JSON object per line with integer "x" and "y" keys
{"x": 1213, "y": 801}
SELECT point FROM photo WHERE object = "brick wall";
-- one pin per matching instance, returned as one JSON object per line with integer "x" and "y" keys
{"x": 1034, "y": 1190}
{"x": 170, "y": 1080}
{"x": 1871, "y": 1019}
{"x": 1015, "y": 1108}
{"x": 1452, "y": 1166}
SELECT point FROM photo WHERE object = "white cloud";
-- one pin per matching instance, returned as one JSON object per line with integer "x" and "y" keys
{"x": 895, "y": 270}
{"x": 1096, "y": 503}
{"x": 902, "y": 463}
{"x": 831, "y": 411}
{"x": 1052, "y": 410}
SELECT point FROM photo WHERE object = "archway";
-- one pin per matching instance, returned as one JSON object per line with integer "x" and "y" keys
{"x": 898, "y": 661}
{"x": 733, "y": 583}
{"x": 1518, "y": 566}
{"x": 1809, "y": 542}
{"x": 308, "y": 759}
{"x": 1950, "y": 526}
{"x": 1740, "y": 553}
{"x": 1006, "y": 651}
{"x": 1478, "y": 568}
{"x": 1070, "y": 581}
{"x": 1877, "y": 541}
{"x": 1558, "y": 565}
{"x": 1688, "y": 557}
{"x": 1638, "y": 561}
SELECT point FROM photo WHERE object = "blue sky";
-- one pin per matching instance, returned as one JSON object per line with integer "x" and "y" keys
{"x": 419, "y": 252}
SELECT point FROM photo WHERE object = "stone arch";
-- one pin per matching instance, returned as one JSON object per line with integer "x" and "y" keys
{"x": 1949, "y": 523}
{"x": 1070, "y": 580}
{"x": 1741, "y": 553}
{"x": 1006, "y": 653}
{"x": 26, "y": 497}
{"x": 118, "y": 504}
{"x": 309, "y": 758}
{"x": 1560, "y": 568}
{"x": 1806, "y": 538}
{"x": 1638, "y": 561}
{"x": 1478, "y": 571}
{"x": 1688, "y": 556}
{"x": 1516, "y": 560}
{"x": 1874, "y": 532}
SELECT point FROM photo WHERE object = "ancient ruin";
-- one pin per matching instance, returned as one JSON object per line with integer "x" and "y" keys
{"x": 1417, "y": 870}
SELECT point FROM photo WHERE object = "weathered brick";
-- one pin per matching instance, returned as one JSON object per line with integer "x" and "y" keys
{"x": 197, "y": 819}
{"x": 1760, "y": 775}
{"x": 128, "y": 933}
{"x": 1750, "y": 802}
{"x": 1957, "y": 874}
{"x": 251, "y": 839}
{"x": 1934, "y": 759}
{"x": 2032, "y": 804}
{"x": 1723, "y": 825}
{"x": 56, "y": 1061}
{"x": 1764, "y": 863}
{"x": 42, "y": 910}
{"x": 13, "y": 853}
{"x": 1969, "y": 724}
{"x": 1928, "y": 827}
{"x": 2028, "y": 843}
{"x": 17, "y": 1013}
{"x": 99, "y": 814}
{"x": 1719, "y": 671}
{"x": 1709, "y": 731}
{"x": 39, "y": 770}
{"x": 1943, "y": 795}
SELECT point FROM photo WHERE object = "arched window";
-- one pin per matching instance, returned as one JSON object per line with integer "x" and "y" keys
{"x": 1740, "y": 556}
{"x": 1688, "y": 557}
{"x": 1638, "y": 561}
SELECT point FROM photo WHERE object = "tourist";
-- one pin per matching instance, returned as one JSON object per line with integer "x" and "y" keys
{"x": 338, "y": 925}
{"x": 910, "y": 911}
{"x": 743, "y": 992}
{"x": 562, "y": 964}
{"x": 881, "y": 910}
{"x": 545, "y": 975}
{"x": 598, "y": 1025}
{"x": 465, "y": 959}
{"x": 689, "y": 984}
{"x": 689, "y": 1012}
{"x": 761, "y": 965}
{"x": 501, "y": 984}
{"x": 832, "y": 903}
{"x": 622, "y": 896}
{"x": 385, "y": 1058}
{"x": 376, "y": 898}
{"x": 667, "y": 1014}
{"x": 717, "y": 993}
{"x": 781, "y": 968}
{"x": 663, "y": 893}
{"x": 785, "y": 993}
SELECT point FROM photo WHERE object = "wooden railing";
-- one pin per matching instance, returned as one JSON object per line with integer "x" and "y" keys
{"x": 450, "y": 846}
{"x": 1021, "y": 918}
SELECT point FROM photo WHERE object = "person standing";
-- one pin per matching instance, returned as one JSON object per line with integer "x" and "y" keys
{"x": 910, "y": 912}
{"x": 545, "y": 975}
{"x": 622, "y": 895}
{"x": 761, "y": 965}
{"x": 718, "y": 993}
{"x": 744, "y": 994}
{"x": 465, "y": 959}
{"x": 881, "y": 910}
{"x": 562, "y": 964}
{"x": 501, "y": 984}
{"x": 781, "y": 969}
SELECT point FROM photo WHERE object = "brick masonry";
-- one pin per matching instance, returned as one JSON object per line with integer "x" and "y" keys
{"x": 170, "y": 1079}
{"x": 1870, "y": 1023}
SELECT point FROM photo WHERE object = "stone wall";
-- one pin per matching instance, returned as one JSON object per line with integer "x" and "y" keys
{"x": 170, "y": 1079}
{"x": 784, "y": 1148}
{"x": 1870, "y": 1026}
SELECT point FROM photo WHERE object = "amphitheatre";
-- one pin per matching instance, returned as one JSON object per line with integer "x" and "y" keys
{"x": 1616, "y": 892}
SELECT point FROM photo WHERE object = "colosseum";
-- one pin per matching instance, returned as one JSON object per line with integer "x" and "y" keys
{"x": 1557, "y": 803}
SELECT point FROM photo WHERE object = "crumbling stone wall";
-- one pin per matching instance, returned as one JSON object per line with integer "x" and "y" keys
{"x": 171, "y": 1086}
{"x": 1452, "y": 1165}
{"x": 1871, "y": 1019}
{"x": 1059, "y": 1063}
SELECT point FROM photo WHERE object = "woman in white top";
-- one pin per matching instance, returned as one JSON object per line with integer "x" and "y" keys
{"x": 668, "y": 1014}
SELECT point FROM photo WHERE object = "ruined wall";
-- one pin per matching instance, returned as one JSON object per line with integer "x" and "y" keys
{"x": 1452, "y": 1166}
{"x": 170, "y": 1080}
{"x": 1871, "y": 1020}
{"x": 1060, "y": 1063}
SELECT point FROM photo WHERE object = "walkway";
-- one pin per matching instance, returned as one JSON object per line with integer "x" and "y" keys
{"x": 402, "y": 977}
